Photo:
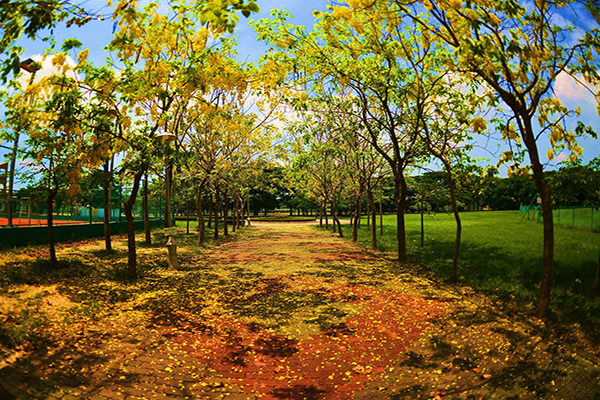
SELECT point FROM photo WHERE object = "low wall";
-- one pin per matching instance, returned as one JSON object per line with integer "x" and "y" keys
{"x": 31, "y": 235}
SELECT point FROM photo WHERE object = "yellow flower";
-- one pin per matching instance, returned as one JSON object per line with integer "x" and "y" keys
{"x": 479, "y": 124}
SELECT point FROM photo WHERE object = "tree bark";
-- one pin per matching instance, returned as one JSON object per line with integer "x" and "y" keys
{"x": 234, "y": 213}
{"x": 422, "y": 223}
{"x": 450, "y": 180}
{"x": 210, "y": 211}
{"x": 335, "y": 220}
{"x": 380, "y": 210}
{"x": 400, "y": 190}
{"x": 356, "y": 219}
{"x": 131, "y": 248}
{"x": 543, "y": 305}
{"x": 216, "y": 213}
{"x": 201, "y": 228}
{"x": 168, "y": 184}
{"x": 107, "y": 241}
{"x": 373, "y": 217}
{"x": 321, "y": 215}
{"x": 248, "y": 207}
{"x": 225, "y": 213}
{"x": 368, "y": 215}
{"x": 148, "y": 237}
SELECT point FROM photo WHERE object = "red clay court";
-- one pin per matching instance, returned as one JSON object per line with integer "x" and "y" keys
{"x": 36, "y": 222}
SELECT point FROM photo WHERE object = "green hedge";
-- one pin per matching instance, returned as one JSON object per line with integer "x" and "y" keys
{"x": 32, "y": 235}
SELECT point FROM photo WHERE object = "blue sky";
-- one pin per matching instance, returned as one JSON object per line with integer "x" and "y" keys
{"x": 97, "y": 34}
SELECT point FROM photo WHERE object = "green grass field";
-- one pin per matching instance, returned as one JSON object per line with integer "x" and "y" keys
{"x": 501, "y": 254}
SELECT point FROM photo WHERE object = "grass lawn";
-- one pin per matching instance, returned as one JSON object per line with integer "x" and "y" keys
{"x": 501, "y": 254}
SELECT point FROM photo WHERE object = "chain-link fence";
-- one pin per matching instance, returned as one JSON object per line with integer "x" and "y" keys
{"x": 34, "y": 212}
{"x": 579, "y": 217}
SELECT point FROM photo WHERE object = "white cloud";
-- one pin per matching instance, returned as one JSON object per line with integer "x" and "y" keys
{"x": 567, "y": 87}
{"x": 46, "y": 70}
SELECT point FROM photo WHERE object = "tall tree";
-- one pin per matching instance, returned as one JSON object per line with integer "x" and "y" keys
{"x": 517, "y": 53}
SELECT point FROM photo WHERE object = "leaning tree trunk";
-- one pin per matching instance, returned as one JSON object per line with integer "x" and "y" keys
{"x": 373, "y": 217}
{"x": 146, "y": 213}
{"x": 107, "y": 241}
{"x": 336, "y": 221}
{"x": 51, "y": 244}
{"x": 131, "y": 250}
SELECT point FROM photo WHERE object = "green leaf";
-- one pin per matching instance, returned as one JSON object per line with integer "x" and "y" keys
{"x": 71, "y": 43}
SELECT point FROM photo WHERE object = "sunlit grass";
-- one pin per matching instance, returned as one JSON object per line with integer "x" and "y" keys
{"x": 501, "y": 254}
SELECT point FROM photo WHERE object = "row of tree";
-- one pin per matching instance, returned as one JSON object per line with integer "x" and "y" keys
{"x": 173, "y": 102}
{"x": 377, "y": 90}
{"x": 390, "y": 86}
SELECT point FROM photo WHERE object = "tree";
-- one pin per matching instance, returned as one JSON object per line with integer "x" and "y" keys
{"x": 55, "y": 139}
{"x": 165, "y": 74}
{"x": 29, "y": 17}
{"x": 575, "y": 184}
{"x": 446, "y": 123}
{"x": 360, "y": 53}
{"x": 516, "y": 53}
{"x": 319, "y": 167}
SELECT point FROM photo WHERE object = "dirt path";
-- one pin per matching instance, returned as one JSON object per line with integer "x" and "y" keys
{"x": 286, "y": 311}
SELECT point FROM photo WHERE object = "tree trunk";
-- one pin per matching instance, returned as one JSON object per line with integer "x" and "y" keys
{"x": 400, "y": 189}
{"x": 543, "y": 305}
{"x": 107, "y": 241}
{"x": 321, "y": 215}
{"x": 326, "y": 216}
{"x": 356, "y": 219}
{"x": 380, "y": 210}
{"x": 373, "y": 217}
{"x": 368, "y": 215}
{"x": 242, "y": 210}
{"x": 450, "y": 180}
{"x": 168, "y": 183}
{"x": 187, "y": 221}
{"x": 131, "y": 250}
{"x": 201, "y": 228}
{"x": 422, "y": 223}
{"x": 225, "y": 213}
{"x": 146, "y": 213}
{"x": 248, "y": 203}
{"x": 210, "y": 211}
{"x": 51, "y": 244}
{"x": 336, "y": 221}
{"x": 216, "y": 213}
{"x": 234, "y": 213}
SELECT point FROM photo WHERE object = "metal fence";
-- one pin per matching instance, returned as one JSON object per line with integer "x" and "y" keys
{"x": 578, "y": 217}
{"x": 26, "y": 212}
